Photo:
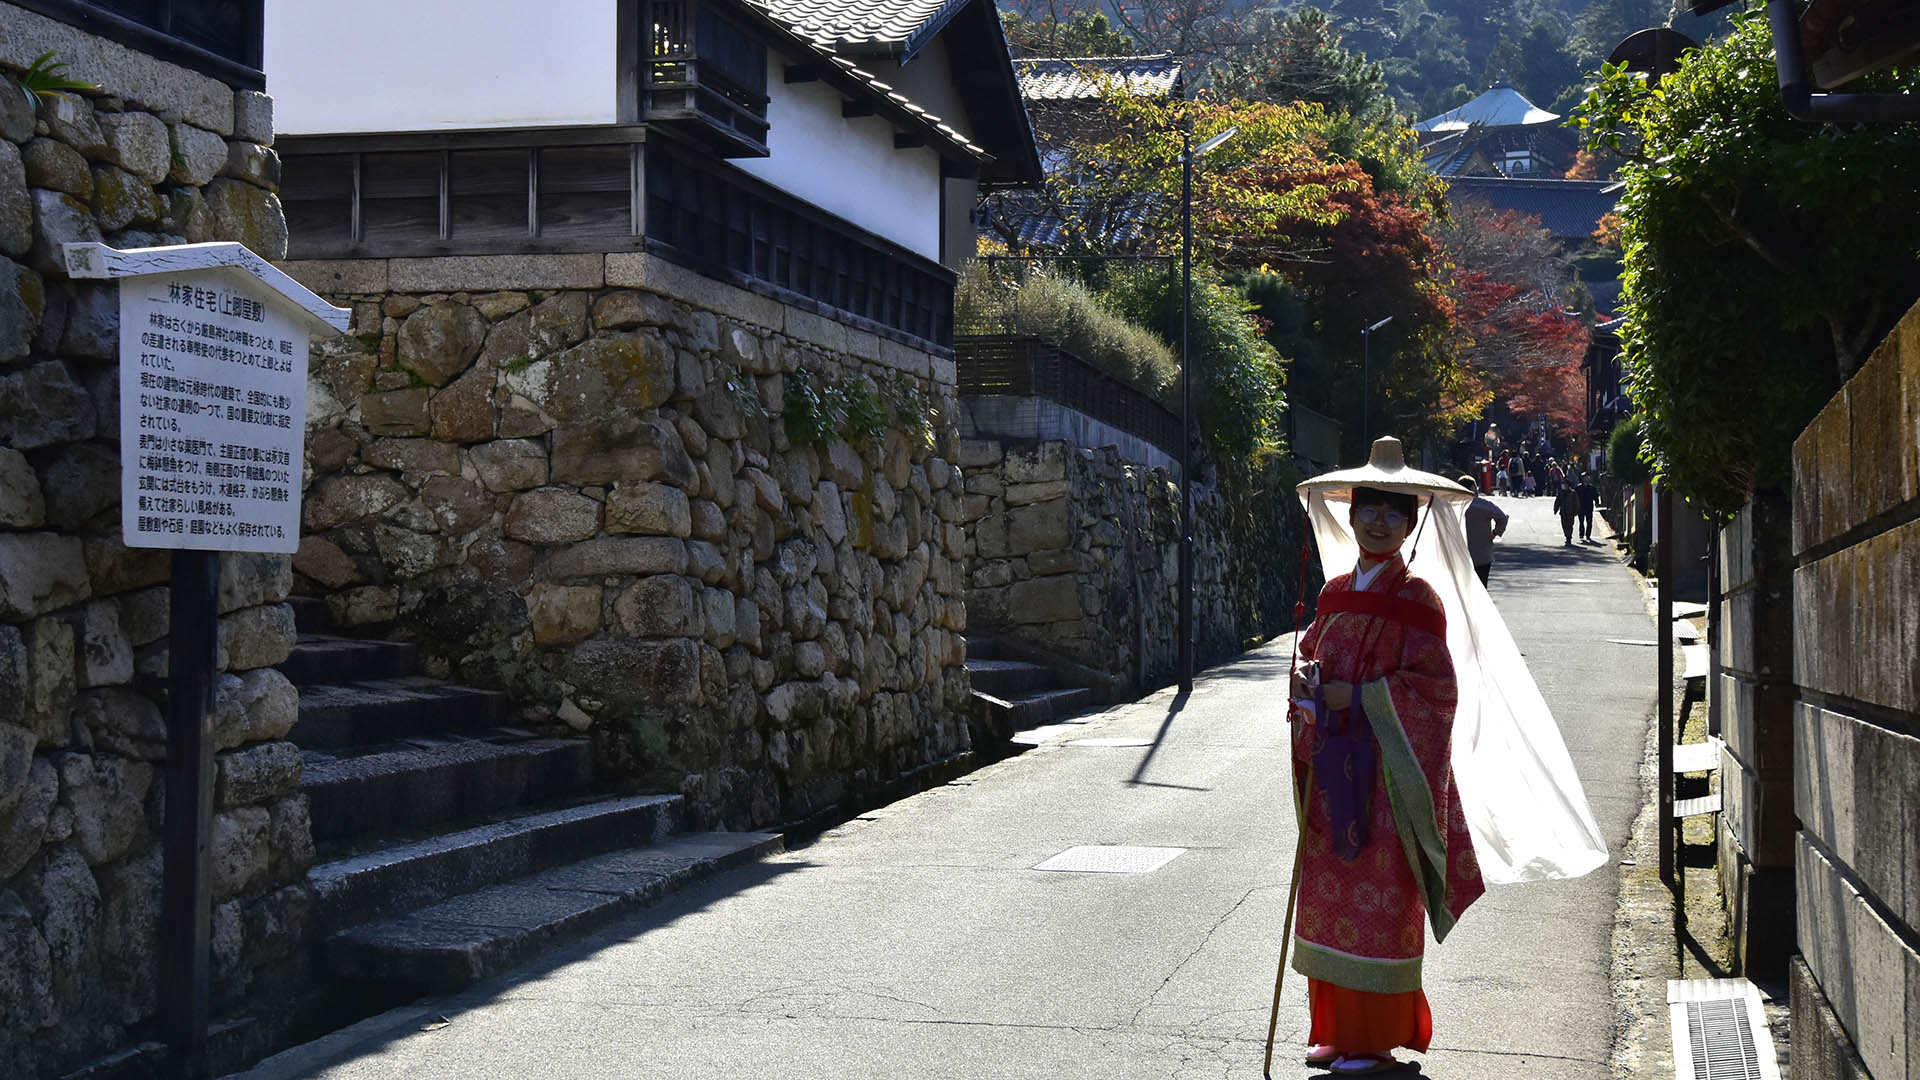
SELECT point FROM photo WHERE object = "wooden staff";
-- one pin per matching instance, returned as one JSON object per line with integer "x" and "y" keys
{"x": 1293, "y": 894}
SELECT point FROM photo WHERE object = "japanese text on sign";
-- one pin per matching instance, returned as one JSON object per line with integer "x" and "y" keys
{"x": 212, "y": 414}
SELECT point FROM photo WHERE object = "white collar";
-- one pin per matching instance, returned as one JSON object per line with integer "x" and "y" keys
{"x": 1364, "y": 578}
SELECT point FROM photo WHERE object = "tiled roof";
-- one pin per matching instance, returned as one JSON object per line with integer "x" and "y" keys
{"x": 902, "y": 109}
{"x": 1569, "y": 209}
{"x": 1039, "y": 226}
{"x": 866, "y": 25}
{"x": 1074, "y": 78}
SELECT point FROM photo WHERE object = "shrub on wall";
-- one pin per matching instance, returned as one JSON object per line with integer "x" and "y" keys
{"x": 1068, "y": 314}
{"x": 1238, "y": 395}
{"x": 1624, "y": 449}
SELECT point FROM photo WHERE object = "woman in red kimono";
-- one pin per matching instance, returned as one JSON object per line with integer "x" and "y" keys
{"x": 1385, "y": 844}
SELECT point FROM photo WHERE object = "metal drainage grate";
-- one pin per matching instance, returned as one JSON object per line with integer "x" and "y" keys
{"x": 1111, "y": 859}
{"x": 1719, "y": 1031}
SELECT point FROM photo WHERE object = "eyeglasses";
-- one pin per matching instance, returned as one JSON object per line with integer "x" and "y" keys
{"x": 1367, "y": 515}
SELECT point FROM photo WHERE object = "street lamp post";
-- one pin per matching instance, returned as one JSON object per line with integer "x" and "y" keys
{"x": 1366, "y": 382}
{"x": 1188, "y": 152}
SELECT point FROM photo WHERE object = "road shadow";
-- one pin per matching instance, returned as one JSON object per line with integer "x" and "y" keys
{"x": 1550, "y": 557}
{"x": 1174, "y": 707}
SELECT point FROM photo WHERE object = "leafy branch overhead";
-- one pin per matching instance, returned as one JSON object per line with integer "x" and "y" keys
{"x": 1763, "y": 256}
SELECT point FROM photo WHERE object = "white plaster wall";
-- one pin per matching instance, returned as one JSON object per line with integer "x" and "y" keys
{"x": 848, "y": 168}
{"x": 421, "y": 65}
{"x": 927, "y": 81}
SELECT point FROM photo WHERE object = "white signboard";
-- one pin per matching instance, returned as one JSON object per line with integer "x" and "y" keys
{"x": 213, "y": 409}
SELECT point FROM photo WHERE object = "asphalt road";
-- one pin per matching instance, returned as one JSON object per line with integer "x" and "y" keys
{"x": 920, "y": 940}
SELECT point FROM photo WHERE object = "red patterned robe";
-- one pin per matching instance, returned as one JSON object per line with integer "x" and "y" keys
{"x": 1361, "y": 922}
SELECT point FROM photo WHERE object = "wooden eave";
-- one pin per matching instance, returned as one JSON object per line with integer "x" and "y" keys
{"x": 862, "y": 86}
{"x": 983, "y": 72}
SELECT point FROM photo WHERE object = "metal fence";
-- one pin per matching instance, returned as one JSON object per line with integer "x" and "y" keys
{"x": 1020, "y": 365}
{"x": 994, "y": 357}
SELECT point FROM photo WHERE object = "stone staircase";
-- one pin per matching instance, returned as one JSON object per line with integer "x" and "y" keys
{"x": 1017, "y": 688}
{"x": 452, "y": 845}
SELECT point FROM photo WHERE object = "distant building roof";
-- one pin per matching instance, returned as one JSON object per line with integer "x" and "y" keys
{"x": 1502, "y": 106}
{"x": 888, "y": 27}
{"x": 1569, "y": 209}
{"x": 1076, "y": 78}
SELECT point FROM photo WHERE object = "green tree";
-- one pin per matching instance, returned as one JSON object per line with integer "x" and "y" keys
{"x": 1603, "y": 24}
{"x": 1239, "y": 378}
{"x": 1764, "y": 256}
{"x": 1299, "y": 58}
{"x": 1535, "y": 62}
{"x": 1069, "y": 33}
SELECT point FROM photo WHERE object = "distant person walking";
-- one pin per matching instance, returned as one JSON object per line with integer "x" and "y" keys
{"x": 1566, "y": 504}
{"x": 1588, "y": 495}
{"x": 1484, "y": 522}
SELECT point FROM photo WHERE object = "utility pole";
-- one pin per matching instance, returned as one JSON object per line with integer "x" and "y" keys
{"x": 1187, "y": 155}
{"x": 1366, "y": 382}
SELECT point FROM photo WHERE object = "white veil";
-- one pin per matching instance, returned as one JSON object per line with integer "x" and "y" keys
{"x": 1524, "y": 803}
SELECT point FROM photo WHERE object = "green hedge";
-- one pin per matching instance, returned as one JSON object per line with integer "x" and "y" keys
{"x": 1068, "y": 314}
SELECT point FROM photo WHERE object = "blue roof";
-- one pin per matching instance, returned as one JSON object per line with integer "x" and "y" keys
{"x": 1569, "y": 209}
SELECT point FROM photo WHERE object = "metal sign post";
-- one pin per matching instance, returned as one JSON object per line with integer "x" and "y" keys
{"x": 186, "y": 901}
{"x": 213, "y": 376}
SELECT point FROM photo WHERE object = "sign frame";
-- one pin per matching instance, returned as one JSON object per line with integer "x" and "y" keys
{"x": 185, "y": 930}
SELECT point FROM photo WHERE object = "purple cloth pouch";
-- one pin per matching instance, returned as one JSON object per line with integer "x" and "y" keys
{"x": 1344, "y": 762}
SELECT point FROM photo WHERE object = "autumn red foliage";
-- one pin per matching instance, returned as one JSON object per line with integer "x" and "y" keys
{"x": 1517, "y": 342}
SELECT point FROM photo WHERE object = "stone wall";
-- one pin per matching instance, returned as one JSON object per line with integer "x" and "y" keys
{"x": 1076, "y": 551}
{"x": 1855, "y": 754}
{"x": 569, "y": 477}
{"x": 168, "y": 157}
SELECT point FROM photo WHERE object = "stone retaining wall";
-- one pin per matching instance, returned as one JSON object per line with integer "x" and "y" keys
{"x": 1855, "y": 757}
{"x": 570, "y": 478}
{"x": 1076, "y": 551}
{"x": 171, "y": 157}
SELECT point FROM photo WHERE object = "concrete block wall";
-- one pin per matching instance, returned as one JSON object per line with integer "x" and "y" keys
{"x": 1856, "y": 754}
{"x": 159, "y": 155}
{"x": 1752, "y": 699}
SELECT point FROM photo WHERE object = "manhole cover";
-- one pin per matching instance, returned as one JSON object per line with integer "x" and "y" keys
{"x": 1111, "y": 742}
{"x": 1111, "y": 859}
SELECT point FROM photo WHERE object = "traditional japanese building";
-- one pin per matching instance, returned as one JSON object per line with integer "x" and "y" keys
{"x": 1499, "y": 133}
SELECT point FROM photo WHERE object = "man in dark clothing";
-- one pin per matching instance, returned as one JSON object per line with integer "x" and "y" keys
{"x": 1588, "y": 495}
{"x": 1565, "y": 505}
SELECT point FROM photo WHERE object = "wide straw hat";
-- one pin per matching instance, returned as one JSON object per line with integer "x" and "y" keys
{"x": 1387, "y": 470}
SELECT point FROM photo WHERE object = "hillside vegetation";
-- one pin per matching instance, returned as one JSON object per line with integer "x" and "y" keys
{"x": 1432, "y": 54}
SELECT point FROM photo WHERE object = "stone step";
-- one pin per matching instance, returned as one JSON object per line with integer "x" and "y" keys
{"x": 984, "y": 647}
{"x": 404, "y": 876}
{"x": 1007, "y": 678}
{"x": 481, "y": 933}
{"x": 1005, "y": 716}
{"x": 318, "y": 659}
{"x": 310, "y": 614}
{"x": 436, "y": 779}
{"x": 382, "y": 710}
